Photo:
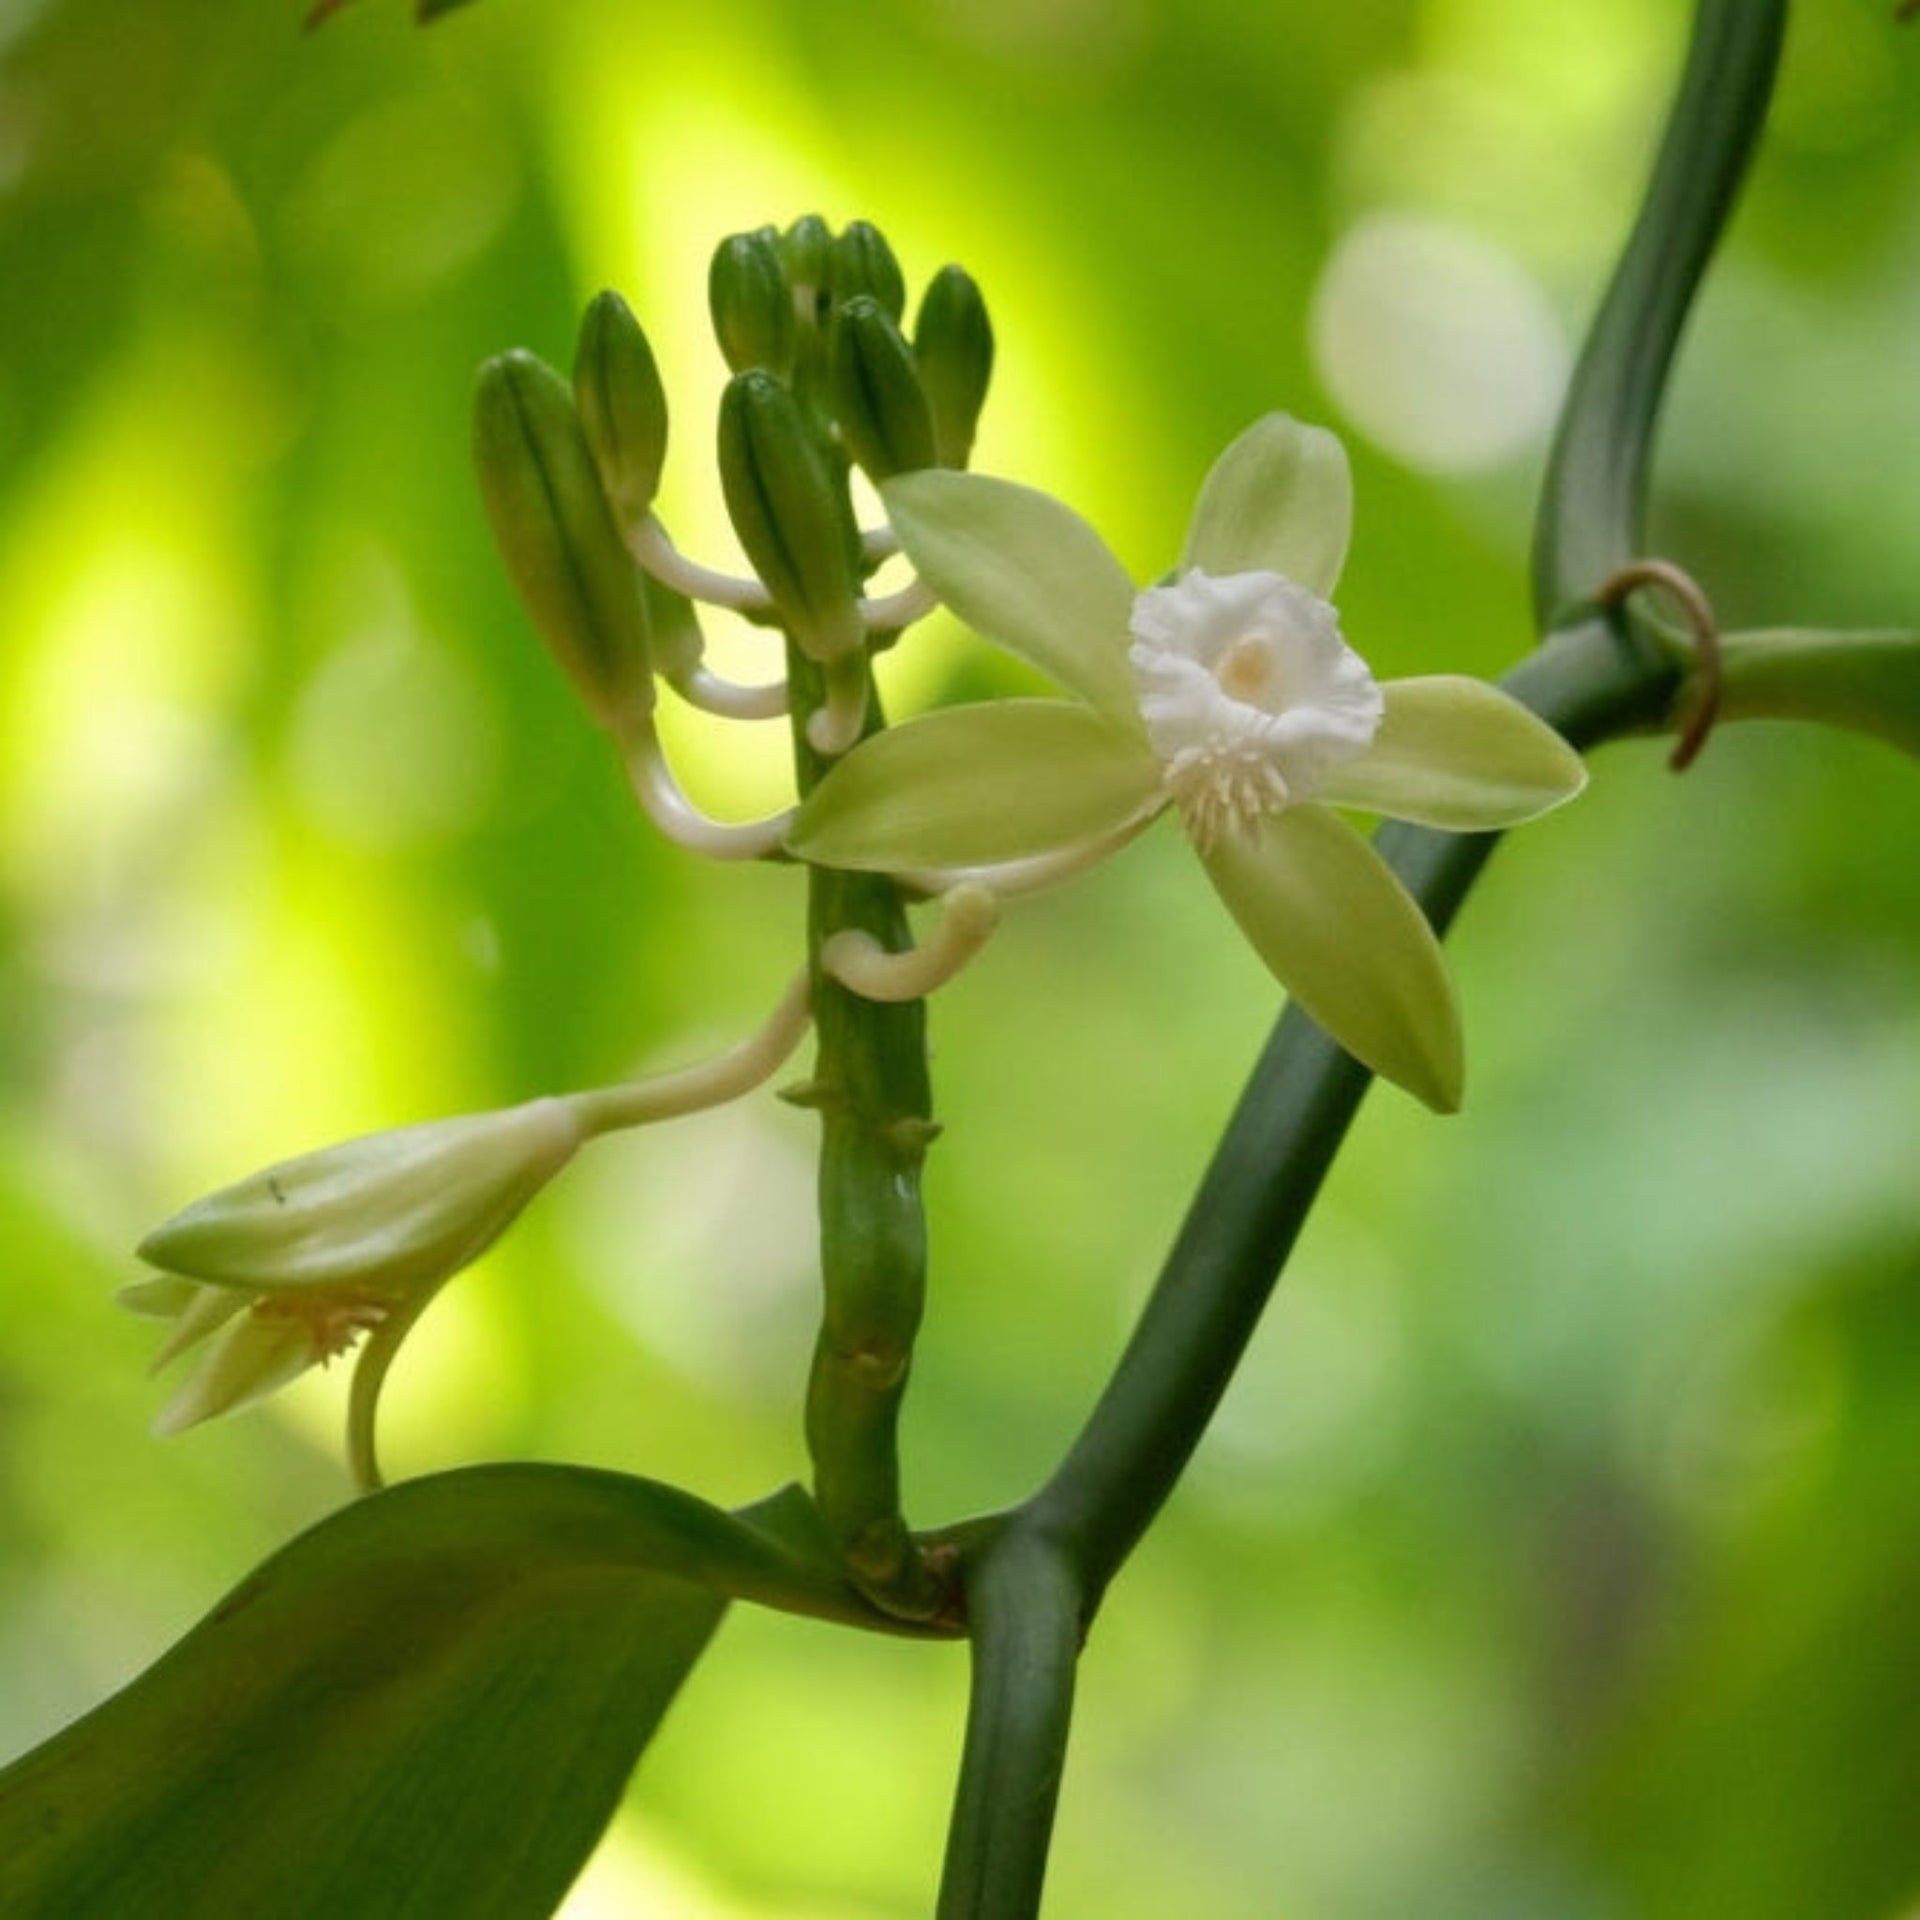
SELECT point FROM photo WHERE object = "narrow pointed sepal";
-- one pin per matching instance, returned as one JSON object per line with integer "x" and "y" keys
{"x": 974, "y": 786}
{"x": 1348, "y": 942}
{"x": 256, "y": 1355}
{"x": 1278, "y": 500}
{"x": 203, "y": 1313}
{"x": 1459, "y": 754}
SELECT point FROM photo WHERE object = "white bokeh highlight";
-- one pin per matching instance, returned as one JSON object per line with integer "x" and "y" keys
{"x": 1437, "y": 345}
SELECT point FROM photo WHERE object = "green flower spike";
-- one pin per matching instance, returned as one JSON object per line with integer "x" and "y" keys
{"x": 1229, "y": 694}
{"x": 287, "y": 1269}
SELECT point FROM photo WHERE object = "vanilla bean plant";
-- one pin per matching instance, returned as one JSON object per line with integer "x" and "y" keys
{"x": 430, "y": 1703}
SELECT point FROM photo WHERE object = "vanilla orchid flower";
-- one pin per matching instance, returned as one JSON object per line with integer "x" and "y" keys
{"x": 291, "y": 1267}
{"x": 1227, "y": 693}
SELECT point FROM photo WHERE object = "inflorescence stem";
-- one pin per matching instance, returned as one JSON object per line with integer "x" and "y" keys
{"x": 871, "y": 1088}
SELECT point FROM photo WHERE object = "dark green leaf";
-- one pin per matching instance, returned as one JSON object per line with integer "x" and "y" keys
{"x": 427, "y": 1705}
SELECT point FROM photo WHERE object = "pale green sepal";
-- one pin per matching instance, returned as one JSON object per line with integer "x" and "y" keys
{"x": 1866, "y": 681}
{"x": 1457, "y": 753}
{"x": 1348, "y": 942}
{"x": 1279, "y": 500}
{"x": 976, "y": 785}
{"x": 205, "y": 1311}
{"x": 162, "y": 1296}
{"x": 1028, "y": 573}
{"x": 256, "y": 1355}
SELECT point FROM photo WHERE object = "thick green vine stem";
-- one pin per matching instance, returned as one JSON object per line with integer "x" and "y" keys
{"x": 1591, "y": 683}
{"x": 1026, "y": 1609}
{"x": 1591, "y": 502}
{"x": 1595, "y": 678}
{"x": 871, "y": 1089}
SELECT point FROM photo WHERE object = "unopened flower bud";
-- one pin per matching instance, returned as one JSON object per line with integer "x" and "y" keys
{"x": 752, "y": 303}
{"x": 862, "y": 262}
{"x": 806, "y": 249}
{"x": 678, "y": 644}
{"x": 953, "y": 343}
{"x": 623, "y": 407}
{"x": 876, "y": 393}
{"x": 791, "y": 513}
{"x": 552, "y": 524}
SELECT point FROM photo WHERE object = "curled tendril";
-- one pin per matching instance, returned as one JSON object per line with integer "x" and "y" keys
{"x": 1691, "y": 598}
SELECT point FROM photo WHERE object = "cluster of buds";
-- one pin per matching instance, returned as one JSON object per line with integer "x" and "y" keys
{"x": 824, "y": 379}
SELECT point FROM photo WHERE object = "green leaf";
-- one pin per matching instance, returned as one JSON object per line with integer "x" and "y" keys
{"x": 976, "y": 785}
{"x": 1028, "y": 573}
{"x": 427, "y": 1705}
{"x": 1348, "y": 942}
{"x": 1457, "y": 753}
{"x": 1279, "y": 500}
{"x": 1866, "y": 681}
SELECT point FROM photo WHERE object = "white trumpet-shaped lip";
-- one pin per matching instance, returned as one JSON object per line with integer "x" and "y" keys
{"x": 1249, "y": 694}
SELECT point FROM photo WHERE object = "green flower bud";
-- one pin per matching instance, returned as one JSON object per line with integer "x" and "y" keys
{"x": 806, "y": 250}
{"x": 862, "y": 262}
{"x": 876, "y": 393}
{"x": 623, "y": 407}
{"x": 953, "y": 342}
{"x": 678, "y": 645}
{"x": 791, "y": 513}
{"x": 551, "y": 522}
{"x": 752, "y": 303}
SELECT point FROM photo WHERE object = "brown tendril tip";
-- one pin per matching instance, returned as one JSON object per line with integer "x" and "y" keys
{"x": 1693, "y": 602}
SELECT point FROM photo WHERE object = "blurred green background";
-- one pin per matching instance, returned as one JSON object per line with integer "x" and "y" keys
{"x": 1559, "y": 1553}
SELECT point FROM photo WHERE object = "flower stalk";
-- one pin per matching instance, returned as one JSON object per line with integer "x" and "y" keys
{"x": 871, "y": 1089}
